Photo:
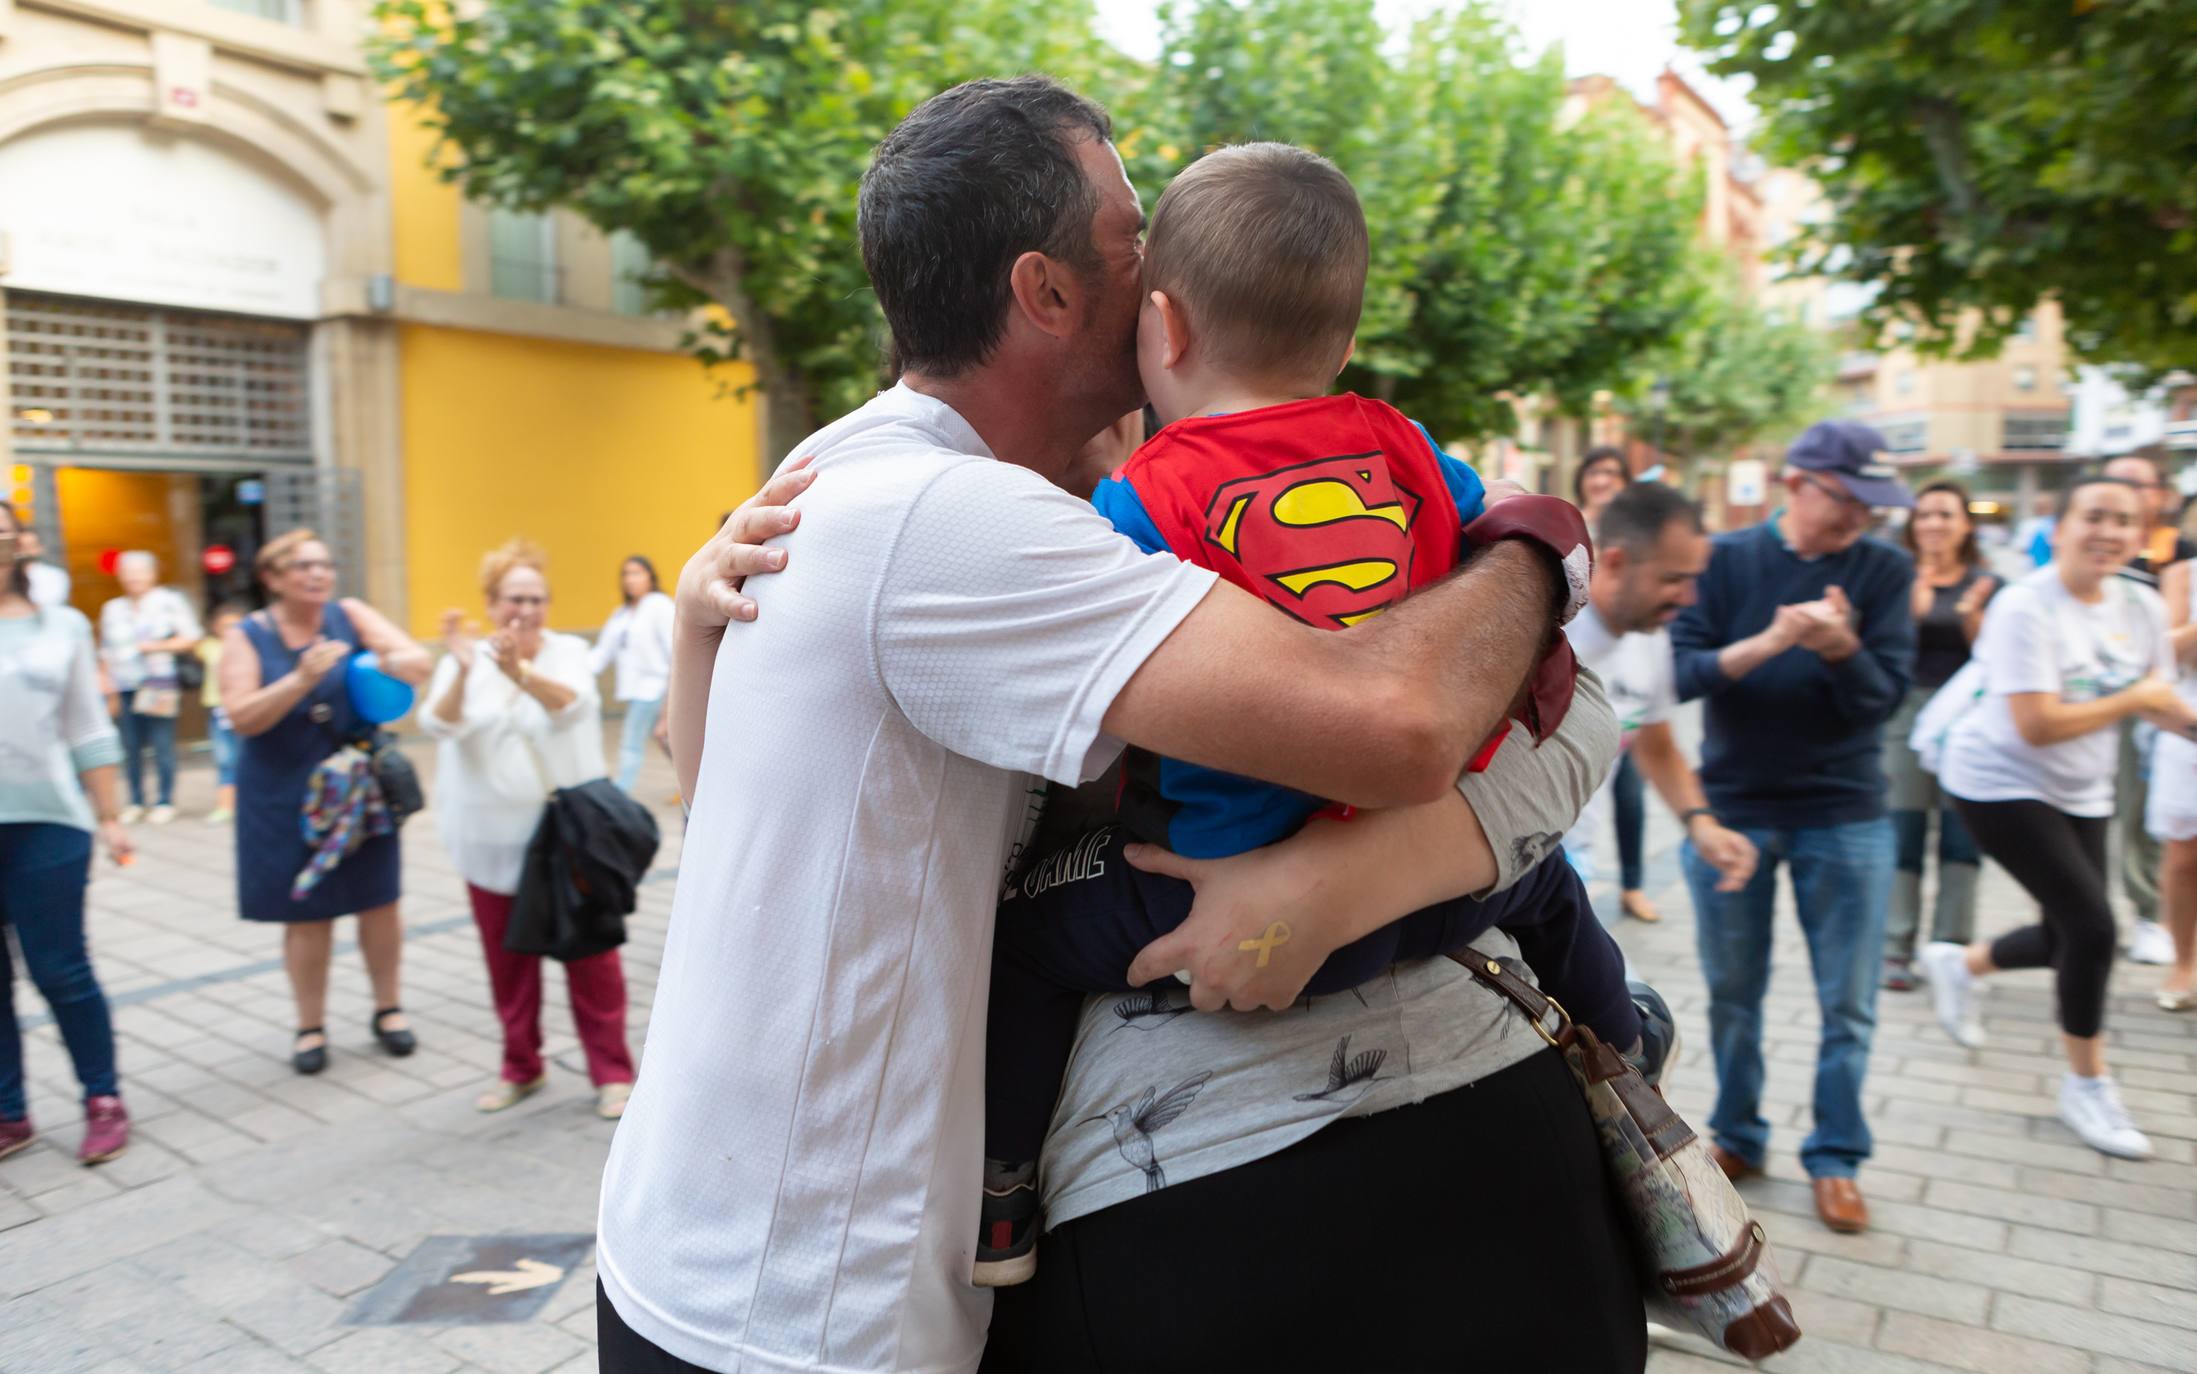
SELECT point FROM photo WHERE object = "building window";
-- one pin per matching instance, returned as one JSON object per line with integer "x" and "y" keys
{"x": 2035, "y": 432}
{"x": 88, "y": 377}
{"x": 1906, "y": 436}
{"x": 281, "y": 11}
{"x": 2025, "y": 378}
{"x": 522, "y": 257}
{"x": 629, "y": 262}
{"x": 1905, "y": 384}
{"x": 2026, "y": 331}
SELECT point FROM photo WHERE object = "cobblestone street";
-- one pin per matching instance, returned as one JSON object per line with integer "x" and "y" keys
{"x": 255, "y": 1208}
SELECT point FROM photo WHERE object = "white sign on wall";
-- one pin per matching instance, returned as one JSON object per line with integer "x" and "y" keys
{"x": 1746, "y": 482}
{"x": 123, "y": 212}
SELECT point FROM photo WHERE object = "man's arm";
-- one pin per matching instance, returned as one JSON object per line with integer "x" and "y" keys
{"x": 1655, "y": 749}
{"x": 709, "y": 598}
{"x": 1385, "y": 713}
{"x": 1871, "y": 666}
{"x": 1334, "y": 882}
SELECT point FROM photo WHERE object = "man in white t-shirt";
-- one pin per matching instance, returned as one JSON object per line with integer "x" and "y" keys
{"x": 793, "y": 1184}
{"x": 1649, "y": 551}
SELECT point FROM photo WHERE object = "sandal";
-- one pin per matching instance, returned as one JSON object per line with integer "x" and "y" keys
{"x": 1635, "y": 903}
{"x": 399, "y": 1042}
{"x": 508, "y": 1094}
{"x": 310, "y": 1060}
{"x": 610, "y": 1100}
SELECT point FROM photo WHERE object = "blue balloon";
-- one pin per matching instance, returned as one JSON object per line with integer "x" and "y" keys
{"x": 375, "y": 696}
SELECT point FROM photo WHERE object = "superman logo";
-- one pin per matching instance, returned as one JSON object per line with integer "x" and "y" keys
{"x": 1328, "y": 541}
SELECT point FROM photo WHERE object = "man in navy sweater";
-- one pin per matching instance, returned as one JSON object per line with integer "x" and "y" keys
{"x": 1804, "y": 644}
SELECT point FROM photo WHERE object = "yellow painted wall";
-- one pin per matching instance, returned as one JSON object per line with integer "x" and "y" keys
{"x": 593, "y": 453}
{"x": 423, "y": 208}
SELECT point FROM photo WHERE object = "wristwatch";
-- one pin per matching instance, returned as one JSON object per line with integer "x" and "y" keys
{"x": 1686, "y": 817}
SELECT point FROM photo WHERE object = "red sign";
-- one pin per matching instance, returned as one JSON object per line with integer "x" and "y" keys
{"x": 109, "y": 560}
{"x": 217, "y": 559}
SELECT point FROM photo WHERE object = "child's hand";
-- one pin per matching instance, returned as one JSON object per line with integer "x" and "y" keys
{"x": 1501, "y": 489}
{"x": 1249, "y": 941}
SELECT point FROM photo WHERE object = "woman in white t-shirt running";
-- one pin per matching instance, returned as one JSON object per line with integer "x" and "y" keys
{"x": 2069, "y": 651}
{"x": 2170, "y": 812}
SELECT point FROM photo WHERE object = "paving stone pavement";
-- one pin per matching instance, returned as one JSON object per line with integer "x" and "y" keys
{"x": 254, "y": 1206}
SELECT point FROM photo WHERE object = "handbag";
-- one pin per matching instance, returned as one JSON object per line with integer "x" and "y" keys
{"x": 1706, "y": 1262}
{"x": 399, "y": 780}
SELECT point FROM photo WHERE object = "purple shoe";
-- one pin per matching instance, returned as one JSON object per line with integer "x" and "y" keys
{"x": 106, "y": 1130}
{"x": 15, "y": 1136}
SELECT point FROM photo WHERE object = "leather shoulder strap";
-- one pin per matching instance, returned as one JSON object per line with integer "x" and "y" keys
{"x": 1547, "y": 1015}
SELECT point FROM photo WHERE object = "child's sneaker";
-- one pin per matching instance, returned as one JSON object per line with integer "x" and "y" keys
{"x": 1658, "y": 1032}
{"x": 1006, "y": 1241}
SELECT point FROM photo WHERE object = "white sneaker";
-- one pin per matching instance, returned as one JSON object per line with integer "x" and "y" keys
{"x": 161, "y": 814}
{"x": 2092, "y": 1109}
{"x": 130, "y": 815}
{"x": 1955, "y": 992}
{"x": 2150, "y": 944}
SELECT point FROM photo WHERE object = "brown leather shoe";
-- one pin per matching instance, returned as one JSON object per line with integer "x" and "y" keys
{"x": 1734, "y": 1167}
{"x": 1839, "y": 1203}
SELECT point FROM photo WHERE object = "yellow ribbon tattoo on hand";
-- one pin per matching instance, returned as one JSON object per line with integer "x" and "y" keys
{"x": 1276, "y": 934}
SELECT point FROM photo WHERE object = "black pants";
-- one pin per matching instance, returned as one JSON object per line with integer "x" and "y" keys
{"x": 1475, "y": 1231}
{"x": 1075, "y": 920}
{"x": 2059, "y": 860}
{"x": 619, "y": 1349}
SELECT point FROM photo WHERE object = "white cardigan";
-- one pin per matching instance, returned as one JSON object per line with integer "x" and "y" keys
{"x": 495, "y": 768}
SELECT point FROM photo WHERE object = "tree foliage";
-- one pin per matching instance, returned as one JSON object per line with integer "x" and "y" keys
{"x": 1519, "y": 247}
{"x": 1731, "y": 376}
{"x": 728, "y": 139}
{"x": 1979, "y": 154}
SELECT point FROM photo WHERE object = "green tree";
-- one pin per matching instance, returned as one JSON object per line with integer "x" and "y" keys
{"x": 1515, "y": 251}
{"x": 727, "y": 138}
{"x": 1981, "y": 154}
{"x": 1733, "y": 375}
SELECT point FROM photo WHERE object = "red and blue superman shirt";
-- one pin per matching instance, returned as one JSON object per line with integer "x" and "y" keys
{"x": 1330, "y": 510}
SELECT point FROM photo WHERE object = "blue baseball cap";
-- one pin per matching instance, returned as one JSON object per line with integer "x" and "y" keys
{"x": 1853, "y": 453}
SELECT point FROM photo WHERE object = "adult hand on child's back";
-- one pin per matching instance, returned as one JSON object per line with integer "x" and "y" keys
{"x": 1252, "y": 938}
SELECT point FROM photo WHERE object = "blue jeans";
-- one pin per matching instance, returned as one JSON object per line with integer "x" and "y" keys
{"x": 43, "y": 871}
{"x": 1629, "y": 801}
{"x": 1842, "y": 883}
{"x": 633, "y": 738}
{"x": 138, "y": 734}
{"x": 222, "y": 736}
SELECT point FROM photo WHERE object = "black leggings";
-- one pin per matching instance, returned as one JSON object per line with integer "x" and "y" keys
{"x": 2059, "y": 860}
{"x": 1474, "y": 1231}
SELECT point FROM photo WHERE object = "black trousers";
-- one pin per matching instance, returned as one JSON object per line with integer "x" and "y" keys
{"x": 2059, "y": 860}
{"x": 1475, "y": 1231}
{"x": 619, "y": 1349}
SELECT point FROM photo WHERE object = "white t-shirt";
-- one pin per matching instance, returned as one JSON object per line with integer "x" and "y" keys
{"x": 49, "y": 585}
{"x": 125, "y": 625}
{"x": 795, "y": 1184}
{"x": 1642, "y": 684}
{"x": 637, "y": 640}
{"x": 494, "y": 769}
{"x": 2038, "y": 638}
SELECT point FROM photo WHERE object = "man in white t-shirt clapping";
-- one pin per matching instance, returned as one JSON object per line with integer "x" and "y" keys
{"x": 1649, "y": 551}
{"x": 792, "y": 1184}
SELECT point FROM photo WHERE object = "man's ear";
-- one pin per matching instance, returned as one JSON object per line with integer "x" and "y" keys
{"x": 1047, "y": 293}
{"x": 1348, "y": 354}
{"x": 1176, "y": 327}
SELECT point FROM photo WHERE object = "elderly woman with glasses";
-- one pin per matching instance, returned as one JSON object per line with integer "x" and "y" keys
{"x": 140, "y": 634}
{"x": 282, "y": 682}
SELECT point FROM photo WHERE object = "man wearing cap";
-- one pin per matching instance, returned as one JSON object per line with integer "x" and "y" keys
{"x": 1803, "y": 641}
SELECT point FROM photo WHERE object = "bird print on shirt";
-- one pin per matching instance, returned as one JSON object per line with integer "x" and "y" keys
{"x": 1153, "y": 1006}
{"x": 1136, "y": 1123}
{"x": 1346, "y": 1071}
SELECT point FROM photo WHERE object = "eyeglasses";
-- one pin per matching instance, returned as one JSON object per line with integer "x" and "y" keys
{"x": 1837, "y": 493}
{"x": 310, "y": 565}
